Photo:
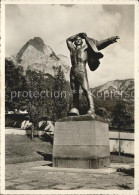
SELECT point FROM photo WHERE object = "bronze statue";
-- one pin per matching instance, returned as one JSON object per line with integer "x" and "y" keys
{"x": 81, "y": 54}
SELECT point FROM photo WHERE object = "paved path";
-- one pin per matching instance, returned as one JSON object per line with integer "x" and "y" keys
{"x": 32, "y": 176}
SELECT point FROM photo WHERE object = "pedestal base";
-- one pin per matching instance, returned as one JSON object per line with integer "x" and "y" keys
{"x": 81, "y": 144}
{"x": 80, "y": 163}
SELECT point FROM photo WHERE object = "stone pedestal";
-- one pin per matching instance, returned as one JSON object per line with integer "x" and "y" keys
{"x": 81, "y": 142}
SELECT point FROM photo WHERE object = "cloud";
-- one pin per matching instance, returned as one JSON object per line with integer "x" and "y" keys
{"x": 55, "y": 23}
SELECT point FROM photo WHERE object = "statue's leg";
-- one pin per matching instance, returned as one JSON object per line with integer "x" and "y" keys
{"x": 85, "y": 87}
{"x": 75, "y": 90}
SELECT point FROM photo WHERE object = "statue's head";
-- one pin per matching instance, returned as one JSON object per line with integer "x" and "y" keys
{"x": 78, "y": 41}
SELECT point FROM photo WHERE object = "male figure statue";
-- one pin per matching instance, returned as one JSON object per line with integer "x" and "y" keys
{"x": 81, "y": 54}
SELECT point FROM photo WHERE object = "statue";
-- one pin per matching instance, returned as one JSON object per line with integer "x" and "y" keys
{"x": 80, "y": 55}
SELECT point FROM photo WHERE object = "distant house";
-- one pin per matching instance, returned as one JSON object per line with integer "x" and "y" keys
{"x": 14, "y": 119}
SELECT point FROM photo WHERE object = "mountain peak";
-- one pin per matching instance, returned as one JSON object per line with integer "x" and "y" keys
{"x": 37, "y": 42}
{"x": 35, "y": 55}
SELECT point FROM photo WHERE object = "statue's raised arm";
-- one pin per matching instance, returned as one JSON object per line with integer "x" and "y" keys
{"x": 106, "y": 42}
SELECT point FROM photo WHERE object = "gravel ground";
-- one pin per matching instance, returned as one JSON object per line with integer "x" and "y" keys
{"x": 26, "y": 176}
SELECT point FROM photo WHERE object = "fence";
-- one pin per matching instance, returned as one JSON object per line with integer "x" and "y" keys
{"x": 126, "y": 142}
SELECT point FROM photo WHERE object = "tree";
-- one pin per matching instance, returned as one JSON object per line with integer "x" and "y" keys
{"x": 121, "y": 118}
{"x": 40, "y": 104}
{"x": 61, "y": 95}
{"x": 15, "y": 85}
{"x": 53, "y": 105}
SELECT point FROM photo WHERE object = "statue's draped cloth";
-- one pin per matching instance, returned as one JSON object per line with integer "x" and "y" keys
{"x": 93, "y": 54}
{"x": 93, "y": 51}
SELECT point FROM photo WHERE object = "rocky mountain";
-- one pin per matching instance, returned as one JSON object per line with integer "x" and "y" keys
{"x": 107, "y": 96}
{"x": 127, "y": 84}
{"x": 36, "y": 55}
{"x": 117, "y": 89}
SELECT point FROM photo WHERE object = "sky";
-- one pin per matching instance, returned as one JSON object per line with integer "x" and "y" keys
{"x": 55, "y": 23}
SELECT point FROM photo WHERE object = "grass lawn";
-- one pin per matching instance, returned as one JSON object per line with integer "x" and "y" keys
{"x": 115, "y": 158}
{"x": 20, "y": 148}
